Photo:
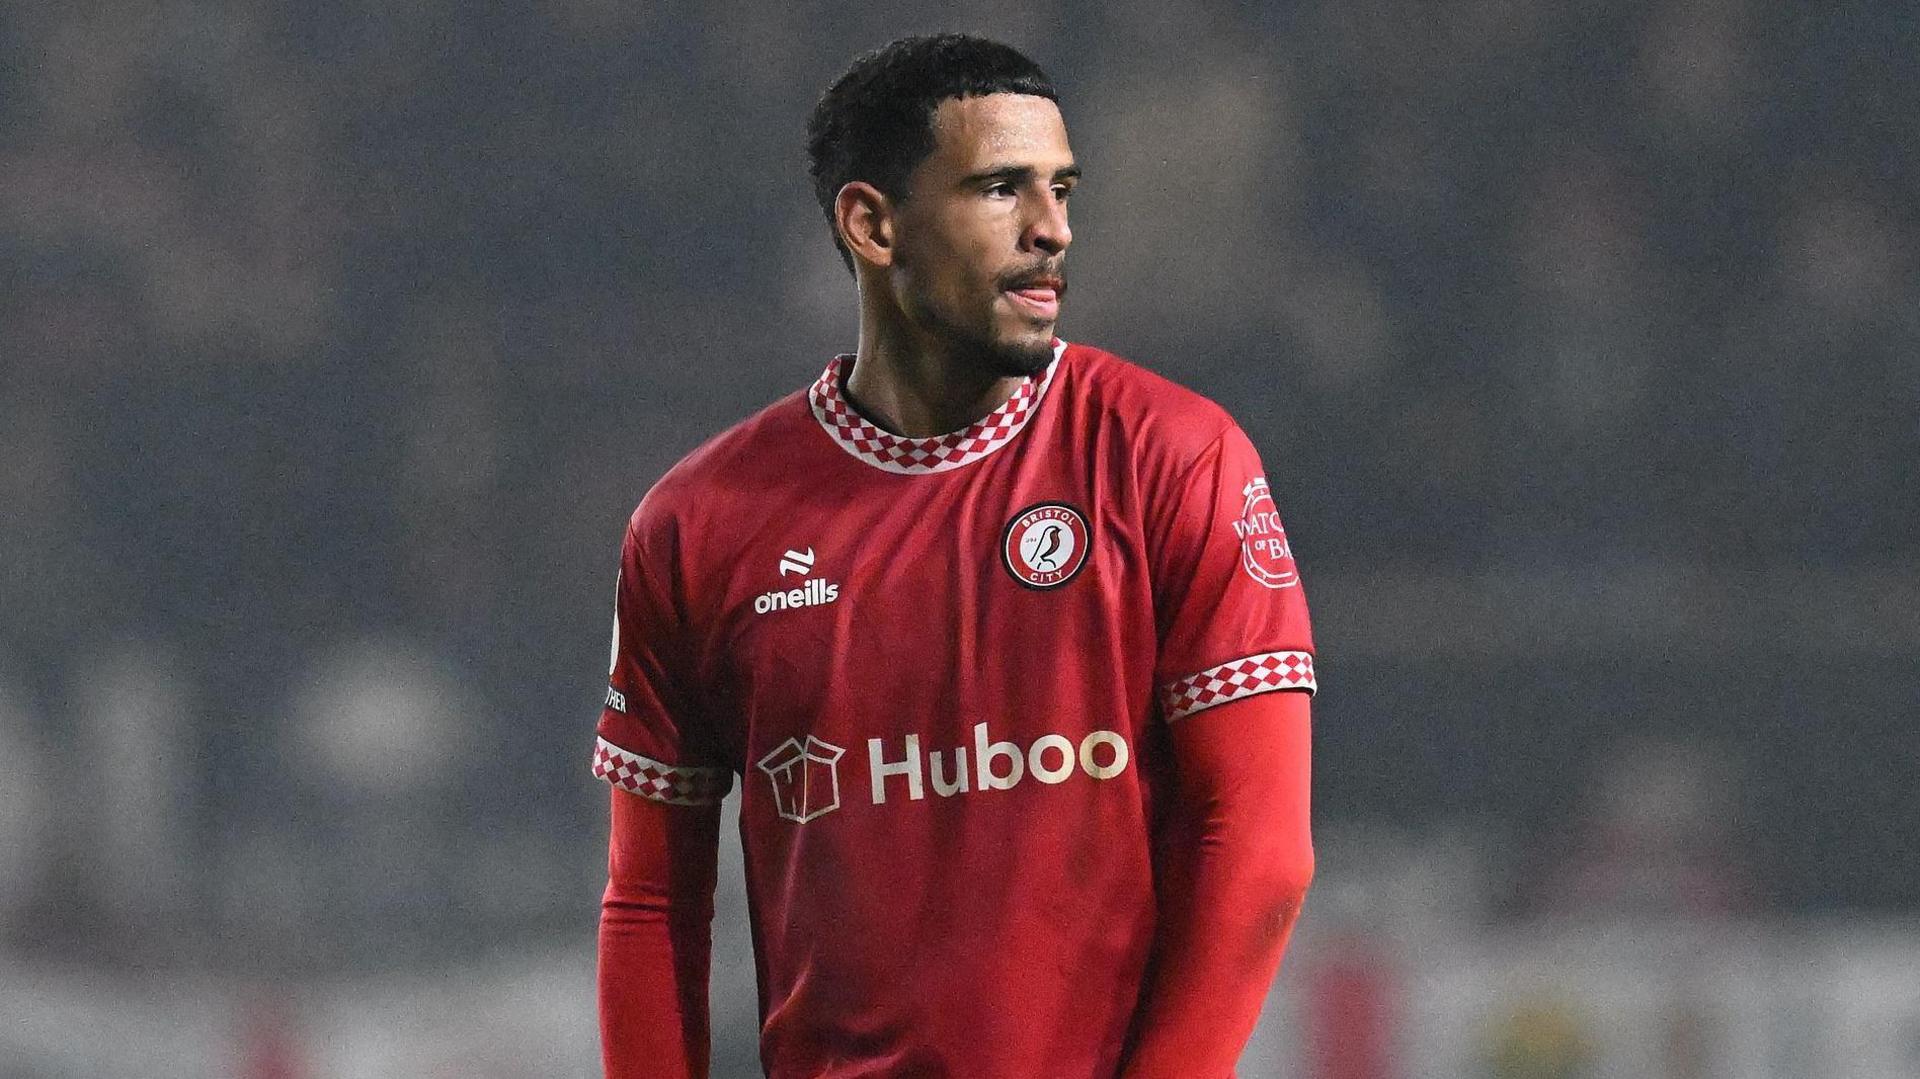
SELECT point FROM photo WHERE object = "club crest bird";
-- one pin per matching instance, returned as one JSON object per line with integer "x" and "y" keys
{"x": 1051, "y": 543}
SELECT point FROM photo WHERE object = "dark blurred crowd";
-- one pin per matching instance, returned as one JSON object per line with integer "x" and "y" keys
{"x": 336, "y": 342}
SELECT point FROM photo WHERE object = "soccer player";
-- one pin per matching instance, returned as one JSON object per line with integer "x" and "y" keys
{"x": 1001, "y": 634}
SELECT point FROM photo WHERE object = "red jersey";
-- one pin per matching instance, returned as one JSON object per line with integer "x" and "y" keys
{"x": 943, "y": 670}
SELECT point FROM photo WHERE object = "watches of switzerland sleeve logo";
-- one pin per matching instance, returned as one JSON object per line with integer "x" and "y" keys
{"x": 1263, "y": 542}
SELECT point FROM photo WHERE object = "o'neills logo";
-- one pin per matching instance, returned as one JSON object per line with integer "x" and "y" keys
{"x": 1046, "y": 544}
{"x": 1263, "y": 542}
{"x": 811, "y": 593}
{"x": 997, "y": 766}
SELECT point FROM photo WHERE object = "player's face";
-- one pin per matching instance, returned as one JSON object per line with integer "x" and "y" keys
{"x": 980, "y": 252}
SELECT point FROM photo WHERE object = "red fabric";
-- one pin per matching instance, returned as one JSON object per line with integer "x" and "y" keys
{"x": 655, "y": 939}
{"x": 1234, "y": 866}
{"x": 945, "y": 692}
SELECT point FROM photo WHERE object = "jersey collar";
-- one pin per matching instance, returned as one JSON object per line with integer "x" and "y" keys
{"x": 919, "y": 456}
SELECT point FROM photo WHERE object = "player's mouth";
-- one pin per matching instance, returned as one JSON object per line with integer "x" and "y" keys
{"x": 1039, "y": 296}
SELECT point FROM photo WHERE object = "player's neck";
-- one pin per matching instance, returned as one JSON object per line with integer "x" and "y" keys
{"x": 911, "y": 386}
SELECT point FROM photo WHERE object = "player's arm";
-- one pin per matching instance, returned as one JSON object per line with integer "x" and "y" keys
{"x": 1235, "y": 673}
{"x": 668, "y": 779}
{"x": 656, "y": 939}
{"x": 1233, "y": 871}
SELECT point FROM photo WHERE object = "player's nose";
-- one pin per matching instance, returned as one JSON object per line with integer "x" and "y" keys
{"x": 1049, "y": 232}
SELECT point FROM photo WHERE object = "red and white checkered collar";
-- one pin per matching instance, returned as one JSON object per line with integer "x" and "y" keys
{"x": 921, "y": 456}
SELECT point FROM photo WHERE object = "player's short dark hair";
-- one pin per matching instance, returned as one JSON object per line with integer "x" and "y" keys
{"x": 875, "y": 123}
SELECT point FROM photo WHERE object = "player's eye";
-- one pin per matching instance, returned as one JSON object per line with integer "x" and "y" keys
{"x": 1062, "y": 192}
{"x": 1000, "y": 190}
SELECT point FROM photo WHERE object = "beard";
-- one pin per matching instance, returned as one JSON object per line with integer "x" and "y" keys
{"x": 980, "y": 347}
{"x": 1005, "y": 359}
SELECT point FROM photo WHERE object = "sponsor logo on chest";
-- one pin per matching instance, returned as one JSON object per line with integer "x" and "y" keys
{"x": 804, "y": 774}
{"x": 1042, "y": 547}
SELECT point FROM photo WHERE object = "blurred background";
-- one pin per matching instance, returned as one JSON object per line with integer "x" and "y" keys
{"x": 1581, "y": 341}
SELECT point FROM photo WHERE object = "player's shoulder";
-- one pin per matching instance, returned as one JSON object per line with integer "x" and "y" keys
{"x": 1159, "y": 416}
{"x": 726, "y": 467}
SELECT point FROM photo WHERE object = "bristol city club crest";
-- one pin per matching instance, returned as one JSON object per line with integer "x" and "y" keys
{"x": 1263, "y": 542}
{"x": 1046, "y": 544}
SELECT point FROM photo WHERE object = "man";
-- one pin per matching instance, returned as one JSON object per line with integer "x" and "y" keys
{"x": 986, "y": 623}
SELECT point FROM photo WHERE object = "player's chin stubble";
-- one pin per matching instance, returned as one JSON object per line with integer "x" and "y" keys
{"x": 1016, "y": 359}
{"x": 997, "y": 352}
{"x": 1010, "y": 358}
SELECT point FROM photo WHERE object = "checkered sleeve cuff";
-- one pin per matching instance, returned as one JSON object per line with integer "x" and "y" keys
{"x": 1235, "y": 679}
{"x": 674, "y": 784}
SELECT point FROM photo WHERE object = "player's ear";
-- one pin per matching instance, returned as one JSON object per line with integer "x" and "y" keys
{"x": 864, "y": 216}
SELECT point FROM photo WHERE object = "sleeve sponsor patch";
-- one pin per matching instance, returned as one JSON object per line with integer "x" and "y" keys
{"x": 1264, "y": 552}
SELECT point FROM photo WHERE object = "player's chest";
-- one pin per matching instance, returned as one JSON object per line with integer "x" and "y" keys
{"x": 915, "y": 591}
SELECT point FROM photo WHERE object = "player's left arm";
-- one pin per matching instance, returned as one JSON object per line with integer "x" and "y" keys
{"x": 1235, "y": 676}
{"x": 1236, "y": 862}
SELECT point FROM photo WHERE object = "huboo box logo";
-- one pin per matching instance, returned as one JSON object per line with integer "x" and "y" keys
{"x": 805, "y": 777}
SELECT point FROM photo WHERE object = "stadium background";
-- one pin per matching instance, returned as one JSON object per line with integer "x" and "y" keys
{"x": 337, "y": 341}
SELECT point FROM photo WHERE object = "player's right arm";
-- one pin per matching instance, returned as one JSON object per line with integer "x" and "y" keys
{"x": 656, "y": 939}
{"x": 668, "y": 779}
